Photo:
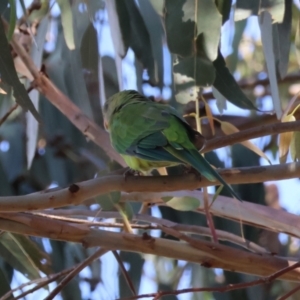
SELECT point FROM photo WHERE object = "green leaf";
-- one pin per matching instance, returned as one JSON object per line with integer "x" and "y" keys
{"x": 221, "y": 100}
{"x": 140, "y": 41}
{"x": 297, "y": 39}
{"x": 120, "y": 28}
{"x": 246, "y": 8}
{"x": 224, "y": 7}
{"x": 9, "y": 75}
{"x": 282, "y": 41}
{"x": 3, "y": 6}
{"x": 39, "y": 13}
{"x": 208, "y": 22}
{"x": 31, "y": 123}
{"x": 23, "y": 255}
{"x": 265, "y": 23}
{"x": 67, "y": 22}
{"x": 127, "y": 210}
{"x": 233, "y": 59}
{"x": 295, "y": 146}
{"x": 276, "y": 8}
{"x": 180, "y": 35}
{"x": 4, "y": 286}
{"x": 228, "y": 87}
{"x": 108, "y": 201}
{"x": 157, "y": 36}
{"x": 182, "y": 203}
{"x": 12, "y": 19}
{"x": 199, "y": 68}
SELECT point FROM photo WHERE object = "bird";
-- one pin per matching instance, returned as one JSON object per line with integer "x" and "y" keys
{"x": 151, "y": 135}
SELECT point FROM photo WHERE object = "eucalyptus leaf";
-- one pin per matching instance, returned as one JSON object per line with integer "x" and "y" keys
{"x": 108, "y": 201}
{"x": 3, "y": 6}
{"x": 9, "y": 75}
{"x": 4, "y": 286}
{"x": 31, "y": 123}
{"x": 295, "y": 146}
{"x": 157, "y": 37}
{"x": 297, "y": 40}
{"x": 208, "y": 24}
{"x": 221, "y": 100}
{"x": 182, "y": 203}
{"x": 282, "y": 41}
{"x": 246, "y": 8}
{"x": 224, "y": 7}
{"x": 12, "y": 19}
{"x": 127, "y": 210}
{"x": 67, "y": 22}
{"x": 199, "y": 68}
{"x": 15, "y": 253}
{"x": 119, "y": 22}
{"x": 265, "y": 22}
{"x": 140, "y": 41}
{"x": 180, "y": 34}
{"x": 228, "y": 87}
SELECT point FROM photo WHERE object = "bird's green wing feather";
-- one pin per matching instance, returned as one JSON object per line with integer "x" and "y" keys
{"x": 156, "y": 132}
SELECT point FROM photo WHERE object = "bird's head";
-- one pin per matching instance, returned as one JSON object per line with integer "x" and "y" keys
{"x": 116, "y": 102}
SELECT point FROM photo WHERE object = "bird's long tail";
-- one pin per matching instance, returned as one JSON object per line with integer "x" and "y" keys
{"x": 196, "y": 160}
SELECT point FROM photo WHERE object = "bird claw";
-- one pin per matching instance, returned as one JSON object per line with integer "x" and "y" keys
{"x": 130, "y": 172}
{"x": 191, "y": 170}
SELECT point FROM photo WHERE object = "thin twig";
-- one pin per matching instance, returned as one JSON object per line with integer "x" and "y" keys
{"x": 41, "y": 282}
{"x": 198, "y": 230}
{"x": 290, "y": 293}
{"x": 209, "y": 219}
{"x": 124, "y": 272}
{"x": 4, "y": 118}
{"x": 75, "y": 272}
{"x": 223, "y": 289}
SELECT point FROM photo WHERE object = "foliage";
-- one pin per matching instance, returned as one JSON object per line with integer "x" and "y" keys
{"x": 55, "y": 75}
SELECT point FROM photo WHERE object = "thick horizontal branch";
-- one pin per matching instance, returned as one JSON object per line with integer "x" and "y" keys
{"x": 205, "y": 253}
{"x": 79, "y": 192}
{"x": 249, "y": 134}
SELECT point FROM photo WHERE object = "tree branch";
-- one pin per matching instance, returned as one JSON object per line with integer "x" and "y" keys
{"x": 89, "y": 128}
{"x": 222, "y": 289}
{"x": 249, "y": 134}
{"x": 205, "y": 253}
{"x": 63, "y": 214}
{"x": 79, "y": 192}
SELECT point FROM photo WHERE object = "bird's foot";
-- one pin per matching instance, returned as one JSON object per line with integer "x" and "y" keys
{"x": 130, "y": 172}
{"x": 191, "y": 170}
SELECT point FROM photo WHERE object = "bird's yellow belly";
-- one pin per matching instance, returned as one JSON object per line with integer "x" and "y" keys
{"x": 139, "y": 164}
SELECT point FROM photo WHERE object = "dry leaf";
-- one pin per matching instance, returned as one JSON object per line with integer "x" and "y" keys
{"x": 210, "y": 118}
{"x": 285, "y": 140}
{"x": 295, "y": 146}
{"x": 228, "y": 128}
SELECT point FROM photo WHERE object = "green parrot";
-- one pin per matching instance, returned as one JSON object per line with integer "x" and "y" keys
{"x": 151, "y": 135}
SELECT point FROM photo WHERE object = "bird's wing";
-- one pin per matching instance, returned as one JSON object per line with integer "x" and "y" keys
{"x": 155, "y": 132}
{"x": 138, "y": 129}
